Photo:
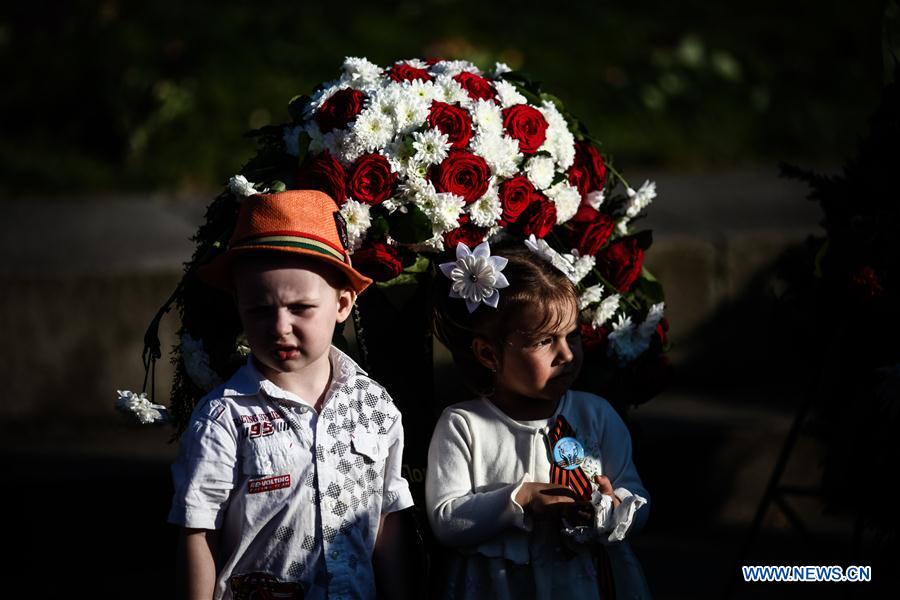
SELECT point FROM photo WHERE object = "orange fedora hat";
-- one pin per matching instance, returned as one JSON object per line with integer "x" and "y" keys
{"x": 305, "y": 222}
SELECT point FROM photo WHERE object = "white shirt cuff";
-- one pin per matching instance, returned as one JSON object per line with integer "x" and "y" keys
{"x": 623, "y": 515}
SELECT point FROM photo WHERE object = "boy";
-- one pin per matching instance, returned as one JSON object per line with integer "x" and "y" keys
{"x": 288, "y": 480}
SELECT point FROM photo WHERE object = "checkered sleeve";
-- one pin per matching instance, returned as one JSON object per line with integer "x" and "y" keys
{"x": 205, "y": 471}
{"x": 396, "y": 489}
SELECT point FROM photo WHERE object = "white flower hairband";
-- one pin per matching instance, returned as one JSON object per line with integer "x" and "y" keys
{"x": 476, "y": 275}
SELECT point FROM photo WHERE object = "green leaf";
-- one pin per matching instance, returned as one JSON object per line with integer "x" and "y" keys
{"x": 379, "y": 228}
{"x": 277, "y": 186}
{"x": 401, "y": 279}
{"x": 556, "y": 101}
{"x": 420, "y": 266}
{"x": 410, "y": 227}
{"x": 649, "y": 290}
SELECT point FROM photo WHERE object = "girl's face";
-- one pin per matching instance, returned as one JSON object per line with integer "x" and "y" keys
{"x": 540, "y": 365}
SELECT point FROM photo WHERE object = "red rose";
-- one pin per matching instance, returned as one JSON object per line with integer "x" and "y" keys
{"x": 539, "y": 218}
{"x": 371, "y": 180}
{"x": 620, "y": 263}
{"x": 340, "y": 108}
{"x": 453, "y": 121}
{"x": 468, "y": 233}
{"x": 515, "y": 196}
{"x": 322, "y": 172}
{"x": 406, "y": 72}
{"x": 527, "y": 125}
{"x": 592, "y": 338}
{"x": 477, "y": 87}
{"x": 378, "y": 261}
{"x": 462, "y": 173}
{"x": 588, "y": 237}
{"x": 588, "y": 172}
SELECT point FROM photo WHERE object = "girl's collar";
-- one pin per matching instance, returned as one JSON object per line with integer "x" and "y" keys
{"x": 560, "y": 407}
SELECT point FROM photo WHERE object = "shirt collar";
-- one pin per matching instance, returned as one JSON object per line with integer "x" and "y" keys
{"x": 248, "y": 381}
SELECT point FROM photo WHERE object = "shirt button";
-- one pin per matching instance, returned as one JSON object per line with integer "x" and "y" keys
{"x": 334, "y": 554}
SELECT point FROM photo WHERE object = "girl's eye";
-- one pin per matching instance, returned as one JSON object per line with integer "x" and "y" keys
{"x": 544, "y": 342}
{"x": 298, "y": 308}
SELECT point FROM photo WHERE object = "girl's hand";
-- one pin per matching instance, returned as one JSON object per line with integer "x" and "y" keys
{"x": 548, "y": 500}
{"x": 606, "y": 488}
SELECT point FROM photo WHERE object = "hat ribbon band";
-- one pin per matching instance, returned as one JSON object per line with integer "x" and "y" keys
{"x": 293, "y": 241}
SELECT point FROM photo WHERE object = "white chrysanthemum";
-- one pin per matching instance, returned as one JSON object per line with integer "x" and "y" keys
{"x": 567, "y": 198}
{"x": 291, "y": 138}
{"x": 500, "y": 152}
{"x": 241, "y": 187}
{"x": 487, "y": 117}
{"x": 654, "y": 316}
{"x": 448, "y": 90}
{"x": 342, "y": 145}
{"x": 606, "y": 310}
{"x": 196, "y": 364}
{"x": 443, "y": 209}
{"x": 595, "y": 199}
{"x": 581, "y": 266}
{"x": 622, "y": 227}
{"x": 424, "y": 90}
{"x": 411, "y": 112}
{"x": 373, "y": 129}
{"x": 509, "y": 95}
{"x": 140, "y": 407}
{"x": 640, "y": 199}
{"x": 541, "y": 248}
{"x": 476, "y": 275}
{"x": 416, "y": 188}
{"x": 500, "y": 68}
{"x": 449, "y": 68}
{"x": 572, "y": 265}
{"x": 560, "y": 142}
{"x": 485, "y": 211}
{"x": 432, "y": 244}
{"x": 431, "y": 146}
{"x": 356, "y": 215}
{"x": 415, "y": 63}
{"x": 359, "y": 73}
{"x": 393, "y": 204}
{"x": 627, "y": 340}
{"x": 540, "y": 170}
{"x": 590, "y": 296}
{"x": 321, "y": 95}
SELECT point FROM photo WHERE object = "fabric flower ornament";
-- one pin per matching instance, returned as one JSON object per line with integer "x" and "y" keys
{"x": 476, "y": 275}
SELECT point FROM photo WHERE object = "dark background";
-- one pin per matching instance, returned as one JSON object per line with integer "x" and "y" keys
{"x": 121, "y": 121}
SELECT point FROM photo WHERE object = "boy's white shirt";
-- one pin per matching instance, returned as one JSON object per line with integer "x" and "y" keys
{"x": 296, "y": 494}
{"x": 479, "y": 458}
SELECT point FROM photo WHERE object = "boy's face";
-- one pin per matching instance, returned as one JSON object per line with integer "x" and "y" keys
{"x": 289, "y": 307}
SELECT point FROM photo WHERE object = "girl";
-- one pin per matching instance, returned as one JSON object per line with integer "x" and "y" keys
{"x": 531, "y": 483}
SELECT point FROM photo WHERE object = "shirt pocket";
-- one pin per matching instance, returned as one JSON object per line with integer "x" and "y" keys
{"x": 366, "y": 445}
{"x": 262, "y": 456}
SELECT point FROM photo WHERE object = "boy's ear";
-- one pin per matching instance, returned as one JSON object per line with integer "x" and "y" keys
{"x": 346, "y": 299}
{"x": 485, "y": 354}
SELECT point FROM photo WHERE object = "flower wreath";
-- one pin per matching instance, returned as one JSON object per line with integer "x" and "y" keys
{"x": 421, "y": 156}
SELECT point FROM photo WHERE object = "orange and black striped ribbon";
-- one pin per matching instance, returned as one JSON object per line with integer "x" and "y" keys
{"x": 576, "y": 479}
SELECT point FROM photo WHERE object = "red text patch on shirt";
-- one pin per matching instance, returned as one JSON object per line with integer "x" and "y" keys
{"x": 269, "y": 483}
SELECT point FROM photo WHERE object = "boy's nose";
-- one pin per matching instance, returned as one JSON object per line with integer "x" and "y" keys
{"x": 282, "y": 323}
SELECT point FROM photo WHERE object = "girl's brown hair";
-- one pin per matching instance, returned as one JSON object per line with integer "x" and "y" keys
{"x": 532, "y": 282}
